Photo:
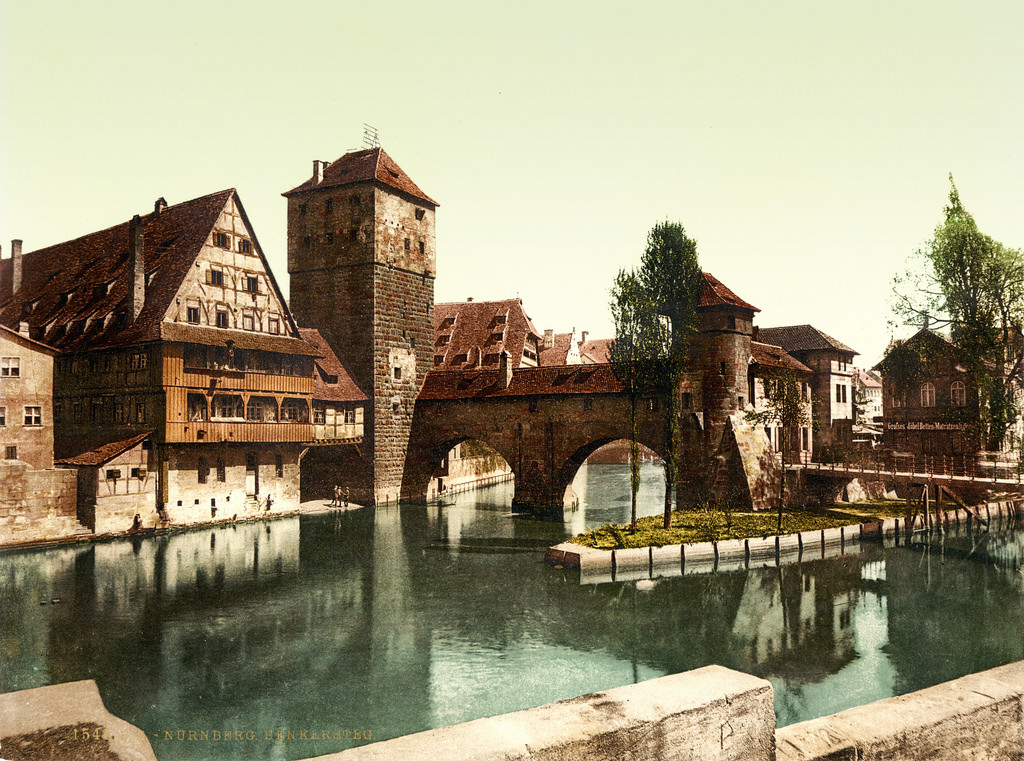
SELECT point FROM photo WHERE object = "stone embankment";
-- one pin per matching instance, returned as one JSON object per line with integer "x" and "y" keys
{"x": 709, "y": 714}
{"x": 735, "y": 554}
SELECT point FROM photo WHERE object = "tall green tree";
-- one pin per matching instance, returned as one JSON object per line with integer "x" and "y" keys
{"x": 787, "y": 407}
{"x": 972, "y": 285}
{"x": 670, "y": 272}
{"x": 634, "y": 354}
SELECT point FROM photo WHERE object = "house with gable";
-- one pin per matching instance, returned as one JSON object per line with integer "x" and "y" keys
{"x": 472, "y": 334}
{"x": 832, "y": 392}
{"x": 172, "y": 324}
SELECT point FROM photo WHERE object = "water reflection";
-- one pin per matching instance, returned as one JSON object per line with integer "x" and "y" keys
{"x": 397, "y": 620}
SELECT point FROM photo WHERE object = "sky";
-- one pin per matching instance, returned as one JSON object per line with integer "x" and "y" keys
{"x": 806, "y": 146}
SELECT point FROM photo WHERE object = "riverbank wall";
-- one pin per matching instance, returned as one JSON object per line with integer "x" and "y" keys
{"x": 597, "y": 566}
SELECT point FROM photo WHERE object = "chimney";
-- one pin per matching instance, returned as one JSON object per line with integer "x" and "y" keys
{"x": 318, "y": 171}
{"x": 504, "y": 370}
{"x": 15, "y": 266}
{"x": 549, "y": 339}
{"x": 23, "y": 328}
{"x": 583, "y": 336}
{"x": 136, "y": 267}
{"x": 160, "y": 205}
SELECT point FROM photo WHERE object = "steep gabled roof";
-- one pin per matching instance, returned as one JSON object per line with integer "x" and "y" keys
{"x": 370, "y": 165}
{"x": 331, "y": 382}
{"x": 775, "y": 357}
{"x": 526, "y": 381}
{"x": 474, "y": 333}
{"x": 104, "y": 453}
{"x": 714, "y": 293}
{"x": 795, "y": 338}
{"x": 599, "y": 350}
{"x": 14, "y": 335}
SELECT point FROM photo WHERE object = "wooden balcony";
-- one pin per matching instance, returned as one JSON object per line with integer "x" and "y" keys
{"x": 241, "y": 431}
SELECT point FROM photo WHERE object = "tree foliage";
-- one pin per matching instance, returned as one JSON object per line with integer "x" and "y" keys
{"x": 972, "y": 285}
{"x": 639, "y": 342}
{"x": 655, "y": 313}
{"x": 786, "y": 407}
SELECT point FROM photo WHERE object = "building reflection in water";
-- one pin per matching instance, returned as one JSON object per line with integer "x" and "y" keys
{"x": 397, "y": 620}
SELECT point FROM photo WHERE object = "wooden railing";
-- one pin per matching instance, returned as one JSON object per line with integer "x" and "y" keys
{"x": 908, "y": 464}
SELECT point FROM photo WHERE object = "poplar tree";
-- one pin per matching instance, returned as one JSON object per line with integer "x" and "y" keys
{"x": 670, "y": 273}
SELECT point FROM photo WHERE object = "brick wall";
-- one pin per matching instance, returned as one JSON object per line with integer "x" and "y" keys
{"x": 36, "y": 505}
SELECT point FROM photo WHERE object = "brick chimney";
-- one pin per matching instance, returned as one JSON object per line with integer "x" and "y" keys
{"x": 504, "y": 369}
{"x": 318, "y": 171}
{"x": 136, "y": 267}
{"x": 549, "y": 339}
{"x": 160, "y": 205}
{"x": 15, "y": 265}
{"x": 583, "y": 336}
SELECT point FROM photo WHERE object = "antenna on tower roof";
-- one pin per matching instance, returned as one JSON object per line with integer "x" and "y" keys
{"x": 371, "y": 139}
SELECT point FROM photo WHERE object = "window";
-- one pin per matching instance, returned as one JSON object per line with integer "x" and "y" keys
{"x": 721, "y": 368}
{"x": 422, "y": 249}
{"x": 202, "y": 470}
{"x": 261, "y": 409}
{"x": 222, "y": 318}
{"x": 138, "y": 473}
{"x": 113, "y": 474}
{"x": 221, "y": 470}
{"x": 140, "y": 412}
{"x": 220, "y": 240}
{"x": 687, "y": 400}
{"x": 897, "y": 400}
{"x": 196, "y": 408}
{"x": 307, "y": 241}
{"x": 396, "y": 373}
{"x": 302, "y": 208}
{"x": 138, "y": 361}
{"x": 248, "y": 322}
{"x": 958, "y": 394}
{"x": 588, "y": 405}
{"x": 228, "y": 406}
{"x": 732, "y": 322}
{"x": 349, "y": 416}
{"x": 329, "y": 237}
{"x": 294, "y": 411}
{"x": 420, "y": 213}
{"x": 838, "y": 392}
{"x": 329, "y": 205}
{"x": 244, "y": 246}
{"x": 252, "y": 284}
{"x": 273, "y": 325}
{"x": 11, "y": 453}
{"x": 279, "y": 466}
{"x": 408, "y": 244}
{"x": 192, "y": 314}
{"x": 533, "y": 405}
{"x": 319, "y": 414}
{"x": 927, "y": 395}
{"x": 217, "y": 277}
{"x": 3, "y": 416}
{"x": 10, "y": 367}
{"x": 353, "y": 234}
{"x": 33, "y": 415}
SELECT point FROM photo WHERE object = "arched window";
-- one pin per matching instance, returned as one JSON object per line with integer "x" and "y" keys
{"x": 958, "y": 394}
{"x": 927, "y": 395}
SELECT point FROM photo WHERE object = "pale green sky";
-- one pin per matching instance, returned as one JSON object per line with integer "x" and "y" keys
{"x": 805, "y": 145}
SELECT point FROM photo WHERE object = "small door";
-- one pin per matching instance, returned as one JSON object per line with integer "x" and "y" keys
{"x": 252, "y": 475}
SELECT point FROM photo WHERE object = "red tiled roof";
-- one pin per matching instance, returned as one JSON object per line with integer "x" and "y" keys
{"x": 372, "y": 164}
{"x": 867, "y": 379}
{"x": 331, "y": 383}
{"x": 104, "y": 453}
{"x": 557, "y": 352}
{"x": 526, "y": 381}
{"x": 769, "y": 356}
{"x": 714, "y": 293}
{"x": 183, "y": 332}
{"x": 598, "y": 349}
{"x": 795, "y": 338}
{"x": 470, "y": 334}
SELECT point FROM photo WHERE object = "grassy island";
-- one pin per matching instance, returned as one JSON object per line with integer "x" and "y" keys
{"x": 707, "y": 524}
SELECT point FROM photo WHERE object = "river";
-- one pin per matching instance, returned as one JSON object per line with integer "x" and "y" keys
{"x": 378, "y": 623}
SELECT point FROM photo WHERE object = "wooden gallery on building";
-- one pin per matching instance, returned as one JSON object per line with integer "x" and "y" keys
{"x": 180, "y": 377}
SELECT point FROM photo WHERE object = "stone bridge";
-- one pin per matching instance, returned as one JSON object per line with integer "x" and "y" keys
{"x": 545, "y": 422}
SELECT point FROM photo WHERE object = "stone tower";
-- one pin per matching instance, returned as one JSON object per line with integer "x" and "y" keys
{"x": 362, "y": 263}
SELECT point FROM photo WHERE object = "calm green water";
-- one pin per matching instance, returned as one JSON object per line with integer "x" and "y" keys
{"x": 392, "y": 621}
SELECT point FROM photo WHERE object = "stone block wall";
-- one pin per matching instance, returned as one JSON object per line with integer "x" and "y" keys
{"x": 37, "y": 505}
